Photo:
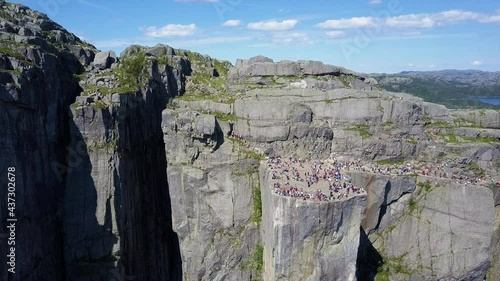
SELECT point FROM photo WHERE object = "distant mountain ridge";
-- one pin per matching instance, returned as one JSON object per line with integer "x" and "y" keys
{"x": 470, "y": 76}
{"x": 450, "y": 87}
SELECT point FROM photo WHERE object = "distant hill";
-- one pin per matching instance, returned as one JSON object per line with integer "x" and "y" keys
{"x": 453, "y": 88}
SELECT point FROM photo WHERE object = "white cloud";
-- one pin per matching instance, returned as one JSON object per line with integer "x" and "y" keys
{"x": 490, "y": 19}
{"x": 412, "y": 21}
{"x": 169, "y": 30}
{"x": 272, "y": 25}
{"x": 411, "y": 64}
{"x": 375, "y": 2}
{"x": 335, "y": 34}
{"x": 476, "y": 62}
{"x": 291, "y": 37}
{"x": 232, "y": 23}
{"x": 432, "y": 66}
{"x": 355, "y": 22}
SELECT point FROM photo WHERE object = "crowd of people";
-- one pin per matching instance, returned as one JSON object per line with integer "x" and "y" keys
{"x": 327, "y": 180}
{"x": 442, "y": 170}
{"x": 311, "y": 180}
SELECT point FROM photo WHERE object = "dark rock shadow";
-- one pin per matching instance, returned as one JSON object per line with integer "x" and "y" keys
{"x": 369, "y": 259}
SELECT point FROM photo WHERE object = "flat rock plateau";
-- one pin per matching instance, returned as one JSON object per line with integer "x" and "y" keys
{"x": 153, "y": 165}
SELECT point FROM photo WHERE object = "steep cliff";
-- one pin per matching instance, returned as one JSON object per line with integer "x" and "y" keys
{"x": 306, "y": 240}
{"x": 92, "y": 192}
{"x": 149, "y": 166}
{"x": 38, "y": 61}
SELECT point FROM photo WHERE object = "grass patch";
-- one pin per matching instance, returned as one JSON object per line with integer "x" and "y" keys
{"x": 131, "y": 73}
{"x": 99, "y": 105}
{"x": 256, "y": 262}
{"x": 390, "y": 162}
{"x": 478, "y": 171}
{"x": 412, "y": 205}
{"x": 382, "y": 275}
{"x": 257, "y": 205}
{"x": 427, "y": 186}
{"x": 391, "y": 228}
{"x": 451, "y": 138}
{"x": 388, "y": 123}
{"x": 440, "y": 124}
{"x": 411, "y": 141}
{"x": 362, "y": 130}
{"x": 225, "y": 117}
{"x": 239, "y": 145}
{"x": 222, "y": 67}
{"x": 8, "y": 51}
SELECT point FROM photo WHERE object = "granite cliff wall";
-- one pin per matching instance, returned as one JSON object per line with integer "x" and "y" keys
{"x": 309, "y": 240}
{"x": 146, "y": 166}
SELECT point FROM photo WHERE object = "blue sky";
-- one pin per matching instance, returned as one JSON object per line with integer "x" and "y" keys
{"x": 362, "y": 35}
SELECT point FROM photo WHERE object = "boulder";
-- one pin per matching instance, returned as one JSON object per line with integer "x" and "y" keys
{"x": 104, "y": 60}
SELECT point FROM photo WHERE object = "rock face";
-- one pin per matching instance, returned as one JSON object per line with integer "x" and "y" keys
{"x": 146, "y": 167}
{"x": 36, "y": 88}
{"x": 104, "y": 60}
{"x": 420, "y": 236}
{"x": 260, "y": 66}
{"x": 214, "y": 188}
{"x": 112, "y": 190}
{"x": 306, "y": 240}
{"x": 483, "y": 118}
{"x": 89, "y": 208}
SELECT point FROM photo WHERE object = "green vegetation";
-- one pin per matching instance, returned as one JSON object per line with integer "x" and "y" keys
{"x": 427, "y": 186}
{"x": 391, "y": 266}
{"x": 451, "y": 138}
{"x": 7, "y": 48}
{"x": 440, "y": 124}
{"x": 256, "y": 262}
{"x": 225, "y": 117}
{"x": 221, "y": 67}
{"x": 478, "y": 171}
{"x": 108, "y": 147}
{"x": 382, "y": 275}
{"x": 257, "y": 205}
{"x": 99, "y": 105}
{"x": 411, "y": 141}
{"x": 12, "y": 72}
{"x": 388, "y": 123}
{"x": 412, "y": 205}
{"x": 239, "y": 146}
{"x": 344, "y": 80}
{"x": 131, "y": 73}
{"x": 390, "y": 162}
{"x": 362, "y": 130}
{"x": 455, "y": 94}
{"x": 391, "y": 228}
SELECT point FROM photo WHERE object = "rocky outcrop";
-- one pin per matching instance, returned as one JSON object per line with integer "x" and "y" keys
{"x": 420, "y": 236}
{"x": 38, "y": 61}
{"x": 146, "y": 166}
{"x": 215, "y": 190}
{"x": 483, "y": 118}
{"x": 260, "y": 66}
{"x": 307, "y": 240}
